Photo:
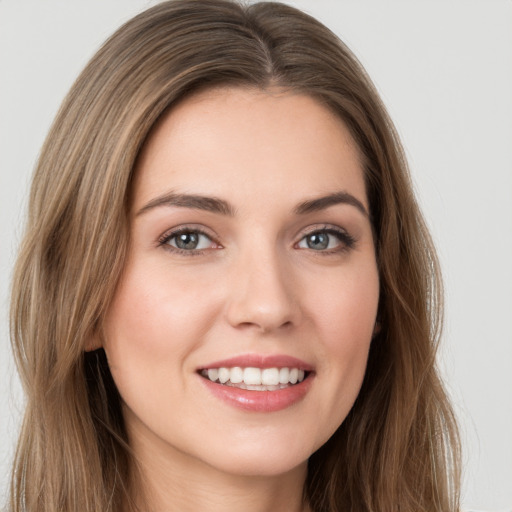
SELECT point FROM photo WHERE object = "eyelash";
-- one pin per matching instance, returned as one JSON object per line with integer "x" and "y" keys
{"x": 347, "y": 241}
{"x": 169, "y": 235}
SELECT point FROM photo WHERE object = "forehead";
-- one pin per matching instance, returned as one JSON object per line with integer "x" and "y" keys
{"x": 241, "y": 142}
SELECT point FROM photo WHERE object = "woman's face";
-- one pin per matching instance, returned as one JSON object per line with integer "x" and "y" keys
{"x": 252, "y": 260}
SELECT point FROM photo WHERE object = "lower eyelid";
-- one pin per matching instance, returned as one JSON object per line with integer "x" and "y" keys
{"x": 345, "y": 240}
{"x": 342, "y": 236}
{"x": 200, "y": 241}
{"x": 175, "y": 232}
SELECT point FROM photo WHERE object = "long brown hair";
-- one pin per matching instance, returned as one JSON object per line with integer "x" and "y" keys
{"x": 398, "y": 448}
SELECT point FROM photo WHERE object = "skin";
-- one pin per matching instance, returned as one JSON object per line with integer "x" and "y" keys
{"x": 254, "y": 286}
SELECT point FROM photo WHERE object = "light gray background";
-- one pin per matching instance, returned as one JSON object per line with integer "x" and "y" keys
{"x": 444, "y": 69}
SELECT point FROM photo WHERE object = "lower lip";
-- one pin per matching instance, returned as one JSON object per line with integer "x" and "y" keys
{"x": 260, "y": 401}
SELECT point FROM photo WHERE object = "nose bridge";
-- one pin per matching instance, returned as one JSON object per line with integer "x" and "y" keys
{"x": 262, "y": 291}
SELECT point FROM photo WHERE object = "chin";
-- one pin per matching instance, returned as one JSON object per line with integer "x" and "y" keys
{"x": 260, "y": 465}
{"x": 260, "y": 457}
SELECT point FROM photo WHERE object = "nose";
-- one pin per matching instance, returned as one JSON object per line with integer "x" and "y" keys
{"x": 263, "y": 294}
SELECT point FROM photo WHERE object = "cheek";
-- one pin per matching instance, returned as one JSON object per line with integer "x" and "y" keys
{"x": 345, "y": 313}
{"x": 346, "y": 309}
{"x": 155, "y": 321}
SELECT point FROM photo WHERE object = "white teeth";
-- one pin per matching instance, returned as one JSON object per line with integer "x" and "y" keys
{"x": 270, "y": 377}
{"x": 284, "y": 375}
{"x": 255, "y": 378}
{"x": 224, "y": 375}
{"x": 213, "y": 374}
{"x": 252, "y": 376}
{"x": 236, "y": 375}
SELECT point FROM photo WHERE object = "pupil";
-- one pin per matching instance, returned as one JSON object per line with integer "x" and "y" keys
{"x": 318, "y": 241}
{"x": 187, "y": 240}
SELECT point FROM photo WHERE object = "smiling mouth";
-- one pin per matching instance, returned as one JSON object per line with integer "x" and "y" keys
{"x": 256, "y": 379}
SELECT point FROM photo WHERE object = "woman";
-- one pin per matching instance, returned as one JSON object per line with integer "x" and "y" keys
{"x": 226, "y": 297}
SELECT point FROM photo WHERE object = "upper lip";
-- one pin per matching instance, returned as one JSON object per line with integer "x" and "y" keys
{"x": 260, "y": 361}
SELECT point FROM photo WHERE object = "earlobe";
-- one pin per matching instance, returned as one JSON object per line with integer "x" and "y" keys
{"x": 376, "y": 329}
{"x": 94, "y": 341}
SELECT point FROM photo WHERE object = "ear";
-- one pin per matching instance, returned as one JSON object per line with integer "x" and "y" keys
{"x": 92, "y": 344}
{"x": 376, "y": 328}
{"x": 94, "y": 341}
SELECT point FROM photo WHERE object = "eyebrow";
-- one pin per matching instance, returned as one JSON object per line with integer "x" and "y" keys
{"x": 321, "y": 203}
{"x": 197, "y": 202}
{"x": 222, "y": 207}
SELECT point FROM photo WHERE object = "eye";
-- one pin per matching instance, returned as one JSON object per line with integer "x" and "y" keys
{"x": 328, "y": 240}
{"x": 188, "y": 240}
